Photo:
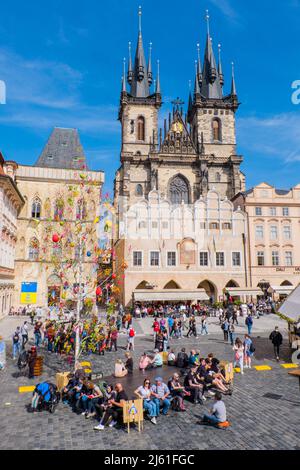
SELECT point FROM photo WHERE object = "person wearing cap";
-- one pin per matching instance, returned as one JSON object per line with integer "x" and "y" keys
{"x": 160, "y": 393}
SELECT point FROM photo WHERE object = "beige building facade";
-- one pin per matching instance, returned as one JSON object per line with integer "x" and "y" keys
{"x": 273, "y": 237}
{"x": 11, "y": 202}
{"x": 45, "y": 188}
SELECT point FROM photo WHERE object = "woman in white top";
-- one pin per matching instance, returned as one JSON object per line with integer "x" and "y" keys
{"x": 144, "y": 392}
{"x": 238, "y": 349}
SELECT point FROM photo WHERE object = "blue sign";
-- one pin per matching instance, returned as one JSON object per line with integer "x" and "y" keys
{"x": 29, "y": 287}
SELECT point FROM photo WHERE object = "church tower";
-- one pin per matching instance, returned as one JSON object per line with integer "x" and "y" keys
{"x": 211, "y": 115}
{"x": 138, "y": 114}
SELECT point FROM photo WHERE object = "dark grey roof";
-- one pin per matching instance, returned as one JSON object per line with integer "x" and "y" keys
{"x": 140, "y": 84}
{"x": 211, "y": 87}
{"x": 63, "y": 150}
{"x": 282, "y": 192}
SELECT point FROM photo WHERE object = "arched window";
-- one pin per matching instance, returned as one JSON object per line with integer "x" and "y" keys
{"x": 139, "y": 190}
{"x": 179, "y": 190}
{"x": 217, "y": 131}
{"x": 59, "y": 209}
{"x": 34, "y": 250}
{"x": 141, "y": 128}
{"x": 36, "y": 209}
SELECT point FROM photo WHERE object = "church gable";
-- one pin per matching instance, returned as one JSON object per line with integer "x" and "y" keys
{"x": 177, "y": 139}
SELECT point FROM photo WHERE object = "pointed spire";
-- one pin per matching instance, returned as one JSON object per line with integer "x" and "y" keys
{"x": 199, "y": 67}
{"x": 158, "y": 89}
{"x": 124, "y": 77}
{"x": 130, "y": 71}
{"x": 196, "y": 88}
{"x": 140, "y": 84}
{"x": 233, "y": 86}
{"x": 220, "y": 70}
{"x": 150, "y": 76}
{"x": 211, "y": 88}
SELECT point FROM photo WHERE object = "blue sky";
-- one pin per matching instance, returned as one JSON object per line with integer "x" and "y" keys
{"x": 62, "y": 64}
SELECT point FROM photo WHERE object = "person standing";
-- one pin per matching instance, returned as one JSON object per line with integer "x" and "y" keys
{"x": 238, "y": 349}
{"x": 225, "y": 327}
{"x": 37, "y": 333}
{"x": 113, "y": 339}
{"x": 130, "y": 339}
{"x": 231, "y": 331}
{"x": 248, "y": 351}
{"x": 276, "y": 338}
{"x": 204, "y": 325}
{"x": 24, "y": 333}
{"x": 16, "y": 342}
{"x": 249, "y": 323}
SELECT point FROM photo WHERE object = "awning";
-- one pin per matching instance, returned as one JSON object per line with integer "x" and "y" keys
{"x": 281, "y": 290}
{"x": 291, "y": 306}
{"x": 239, "y": 291}
{"x": 149, "y": 295}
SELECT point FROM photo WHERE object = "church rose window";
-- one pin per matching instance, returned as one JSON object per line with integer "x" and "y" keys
{"x": 179, "y": 191}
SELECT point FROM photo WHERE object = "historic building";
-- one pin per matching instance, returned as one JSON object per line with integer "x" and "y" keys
{"x": 273, "y": 237}
{"x": 11, "y": 202}
{"x": 190, "y": 169}
{"x": 46, "y": 190}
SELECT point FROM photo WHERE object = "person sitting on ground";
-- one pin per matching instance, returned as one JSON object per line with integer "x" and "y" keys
{"x": 160, "y": 394}
{"x": 108, "y": 393}
{"x": 178, "y": 391}
{"x": 194, "y": 386}
{"x": 182, "y": 359}
{"x": 171, "y": 358}
{"x": 114, "y": 409}
{"x": 144, "y": 392}
{"x": 145, "y": 362}
{"x": 210, "y": 378}
{"x": 218, "y": 412}
{"x": 120, "y": 369}
{"x": 157, "y": 361}
{"x": 129, "y": 363}
{"x": 68, "y": 392}
{"x": 193, "y": 358}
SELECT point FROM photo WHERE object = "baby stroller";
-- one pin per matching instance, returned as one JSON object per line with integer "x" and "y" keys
{"x": 23, "y": 361}
{"x": 45, "y": 397}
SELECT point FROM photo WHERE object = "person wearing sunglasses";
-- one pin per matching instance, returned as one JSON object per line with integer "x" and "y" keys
{"x": 144, "y": 392}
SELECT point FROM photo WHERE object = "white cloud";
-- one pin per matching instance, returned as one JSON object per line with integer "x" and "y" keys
{"x": 226, "y": 9}
{"x": 277, "y": 136}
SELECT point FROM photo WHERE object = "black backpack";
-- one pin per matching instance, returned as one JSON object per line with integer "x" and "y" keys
{"x": 252, "y": 348}
{"x": 176, "y": 404}
{"x": 16, "y": 338}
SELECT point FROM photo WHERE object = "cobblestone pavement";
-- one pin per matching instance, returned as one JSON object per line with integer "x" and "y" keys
{"x": 258, "y": 422}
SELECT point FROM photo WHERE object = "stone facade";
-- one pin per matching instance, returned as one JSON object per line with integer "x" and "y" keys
{"x": 40, "y": 185}
{"x": 273, "y": 236}
{"x": 11, "y": 203}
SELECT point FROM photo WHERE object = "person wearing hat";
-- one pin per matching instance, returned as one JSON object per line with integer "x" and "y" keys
{"x": 160, "y": 393}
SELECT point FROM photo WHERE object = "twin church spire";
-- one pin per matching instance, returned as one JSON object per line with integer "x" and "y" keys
{"x": 209, "y": 80}
{"x": 139, "y": 74}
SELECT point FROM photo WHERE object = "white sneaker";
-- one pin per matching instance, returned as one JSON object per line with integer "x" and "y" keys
{"x": 204, "y": 398}
{"x": 100, "y": 427}
{"x": 83, "y": 414}
{"x": 153, "y": 420}
{"x": 212, "y": 394}
{"x": 112, "y": 424}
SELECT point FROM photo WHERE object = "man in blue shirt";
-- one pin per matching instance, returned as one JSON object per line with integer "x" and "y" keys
{"x": 170, "y": 323}
{"x": 160, "y": 392}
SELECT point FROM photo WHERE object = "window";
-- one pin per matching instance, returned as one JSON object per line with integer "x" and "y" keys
{"x": 287, "y": 232}
{"x": 137, "y": 258}
{"x": 216, "y": 126}
{"x": 214, "y": 226}
{"x": 139, "y": 190}
{"x": 171, "y": 258}
{"x": 285, "y": 211}
{"x": 142, "y": 224}
{"x": 258, "y": 211}
{"x": 273, "y": 211}
{"x": 226, "y": 226}
{"x": 179, "y": 190}
{"x": 288, "y": 258}
{"x": 154, "y": 258}
{"x": 202, "y": 225}
{"x": 273, "y": 232}
{"x": 259, "y": 232}
{"x": 141, "y": 128}
{"x": 236, "y": 258}
{"x": 36, "y": 209}
{"x": 260, "y": 258}
{"x": 34, "y": 250}
{"x": 275, "y": 258}
{"x": 165, "y": 225}
{"x": 154, "y": 224}
{"x": 220, "y": 259}
{"x": 203, "y": 258}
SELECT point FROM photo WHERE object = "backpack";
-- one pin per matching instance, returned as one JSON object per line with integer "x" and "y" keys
{"x": 223, "y": 326}
{"x": 252, "y": 348}
{"x": 16, "y": 338}
{"x": 131, "y": 333}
